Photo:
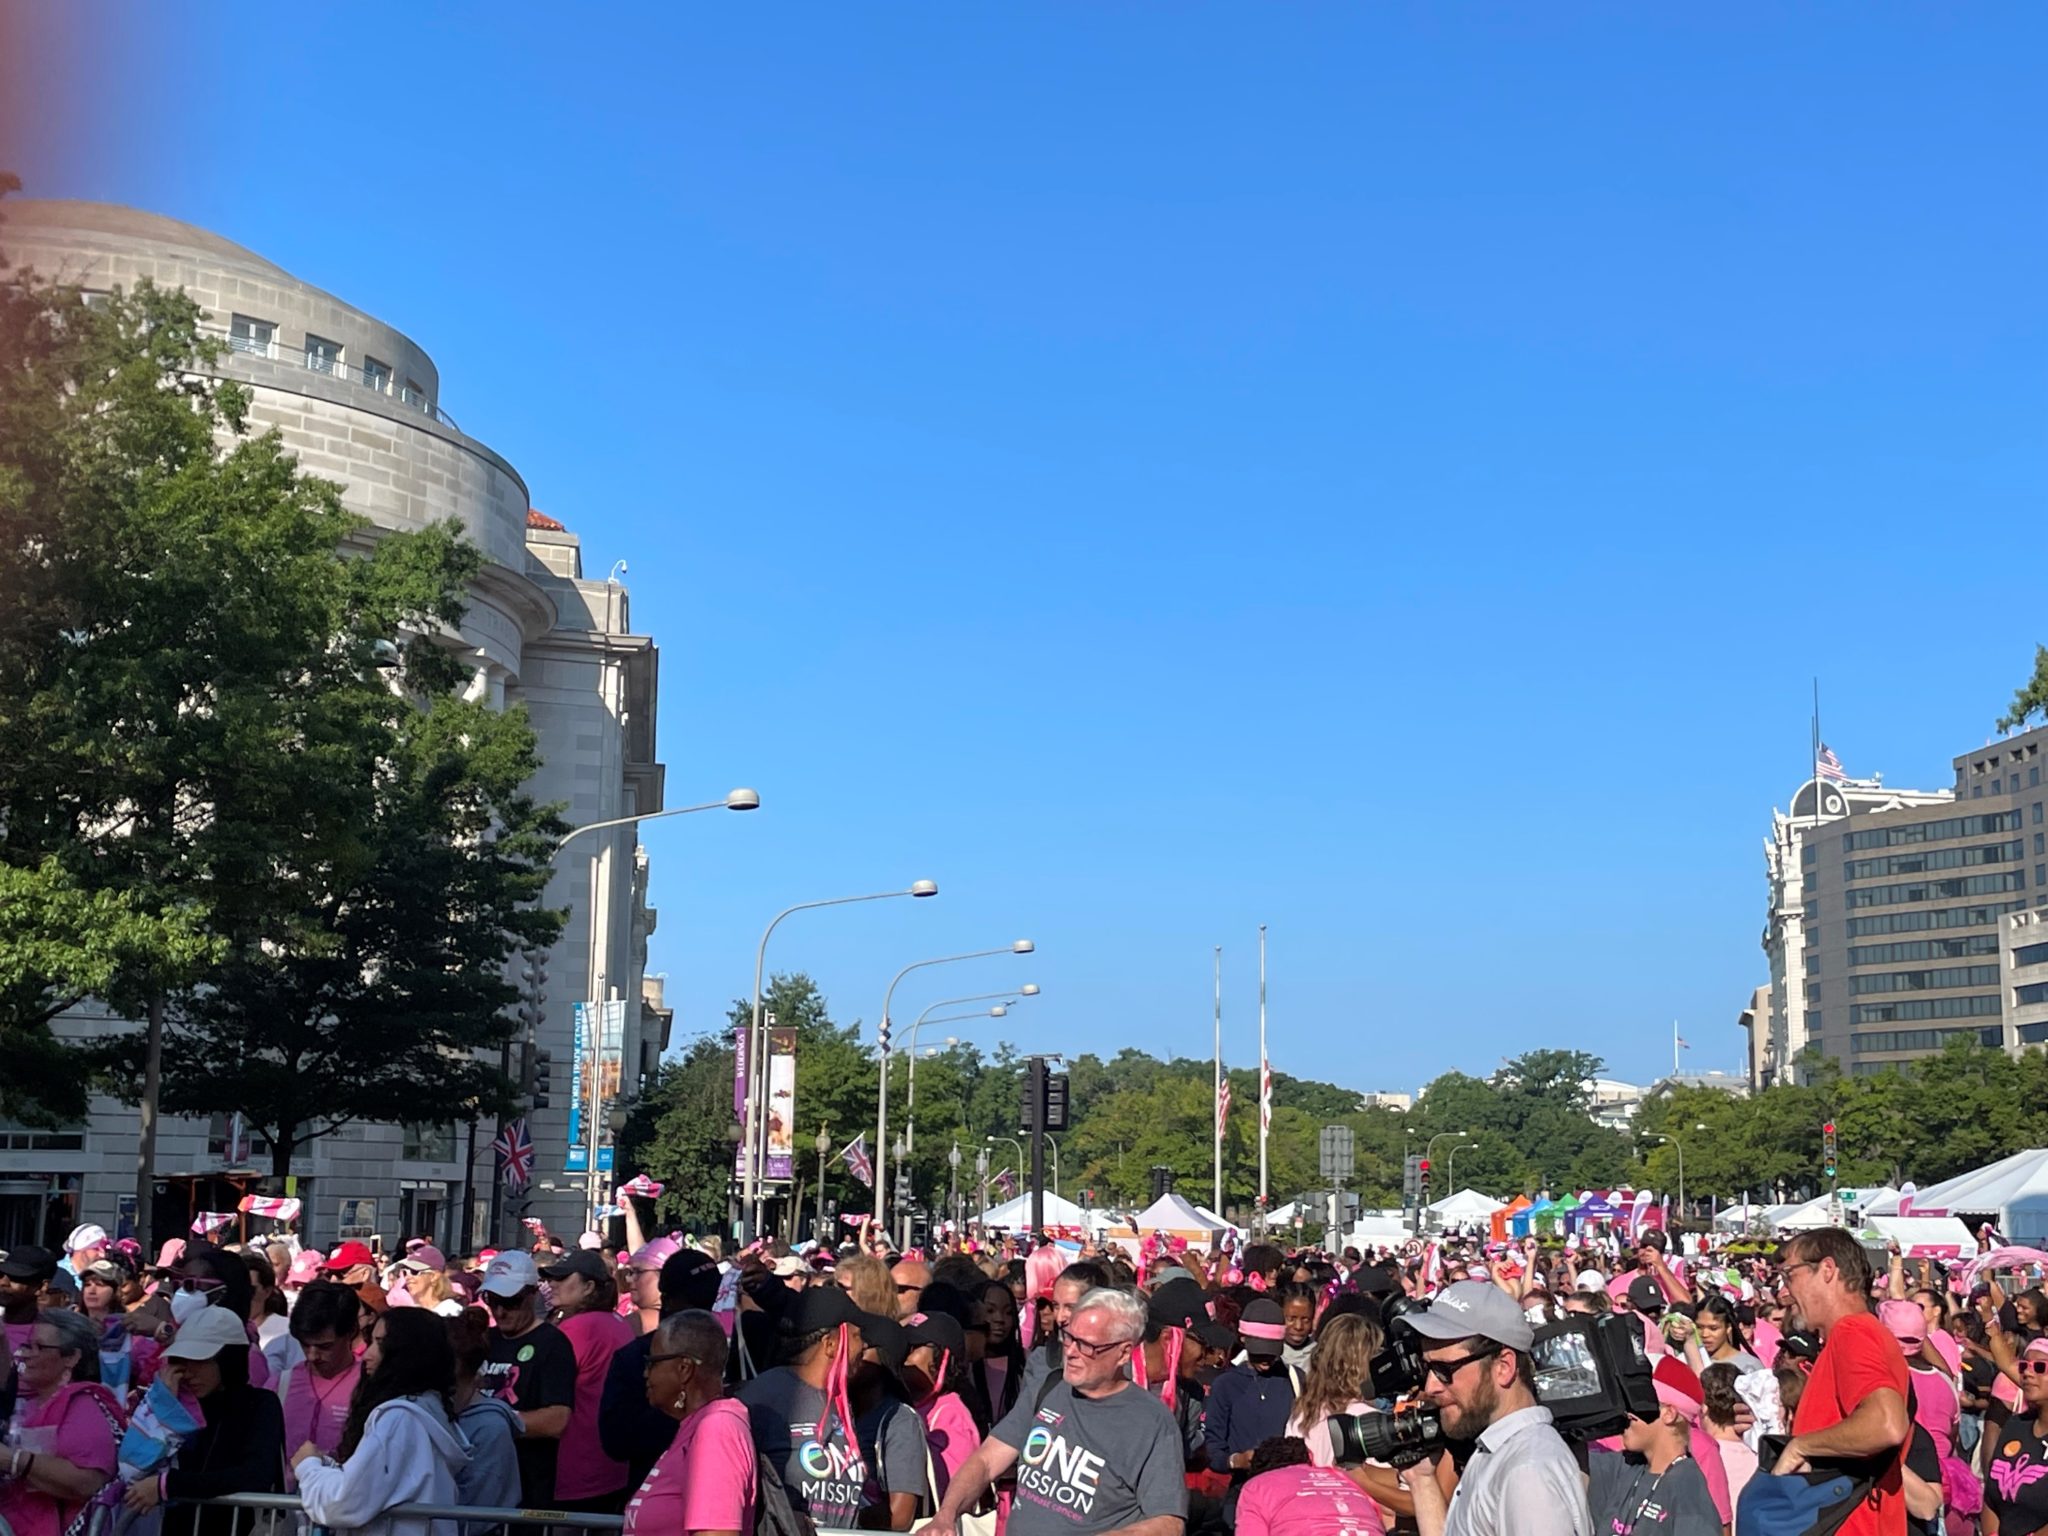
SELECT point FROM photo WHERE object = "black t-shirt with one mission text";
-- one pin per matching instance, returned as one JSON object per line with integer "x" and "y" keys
{"x": 535, "y": 1370}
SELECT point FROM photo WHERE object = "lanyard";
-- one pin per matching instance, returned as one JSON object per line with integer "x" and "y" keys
{"x": 1633, "y": 1505}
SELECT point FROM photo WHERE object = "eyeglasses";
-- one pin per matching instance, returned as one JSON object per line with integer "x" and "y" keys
{"x": 1813, "y": 1264}
{"x": 493, "y": 1299}
{"x": 1088, "y": 1347}
{"x": 198, "y": 1283}
{"x": 654, "y": 1360}
{"x": 1444, "y": 1370}
{"x": 905, "y": 1290}
{"x": 44, "y": 1349}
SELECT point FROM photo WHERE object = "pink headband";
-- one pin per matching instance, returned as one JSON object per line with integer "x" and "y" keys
{"x": 1262, "y": 1330}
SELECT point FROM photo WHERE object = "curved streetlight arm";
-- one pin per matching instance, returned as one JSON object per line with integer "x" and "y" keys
{"x": 729, "y": 803}
{"x": 1021, "y": 947}
{"x": 757, "y": 1106}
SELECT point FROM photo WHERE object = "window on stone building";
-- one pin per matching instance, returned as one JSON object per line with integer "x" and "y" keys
{"x": 247, "y": 334}
{"x": 376, "y": 376}
{"x": 322, "y": 355}
{"x": 428, "y": 1144}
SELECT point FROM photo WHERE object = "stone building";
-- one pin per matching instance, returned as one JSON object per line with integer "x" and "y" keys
{"x": 359, "y": 402}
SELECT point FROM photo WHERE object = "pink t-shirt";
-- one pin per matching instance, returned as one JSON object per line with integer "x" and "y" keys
{"x": 1317, "y": 1436}
{"x": 1936, "y": 1408}
{"x": 1738, "y": 1462}
{"x": 75, "y": 1422}
{"x": 582, "y": 1470}
{"x": 949, "y": 1431}
{"x": 1305, "y": 1501}
{"x": 704, "y": 1480}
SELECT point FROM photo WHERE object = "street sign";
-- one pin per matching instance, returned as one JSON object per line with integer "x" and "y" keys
{"x": 1336, "y": 1149}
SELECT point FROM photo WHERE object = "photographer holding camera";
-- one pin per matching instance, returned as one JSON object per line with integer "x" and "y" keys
{"x": 1522, "y": 1479}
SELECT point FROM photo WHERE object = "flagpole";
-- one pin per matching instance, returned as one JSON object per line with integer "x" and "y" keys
{"x": 1265, "y": 1079}
{"x": 1674, "y": 1047}
{"x": 1218, "y": 1099}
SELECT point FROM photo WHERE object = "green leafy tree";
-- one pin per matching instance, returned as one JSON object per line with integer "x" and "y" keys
{"x": 216, "y": 737}
{"x": 2032, "y": 697}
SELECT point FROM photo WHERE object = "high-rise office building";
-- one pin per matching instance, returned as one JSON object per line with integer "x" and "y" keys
{"x": 1898, "y": 919}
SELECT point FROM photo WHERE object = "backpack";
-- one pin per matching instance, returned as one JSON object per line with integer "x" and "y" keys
{"x": 774, "y": 1515}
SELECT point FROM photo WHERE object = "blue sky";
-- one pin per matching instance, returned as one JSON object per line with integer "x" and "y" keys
{"x": 1387, "y": 472}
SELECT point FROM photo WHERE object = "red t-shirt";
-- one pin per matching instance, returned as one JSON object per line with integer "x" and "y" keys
{"x": 1858, "y": 1357}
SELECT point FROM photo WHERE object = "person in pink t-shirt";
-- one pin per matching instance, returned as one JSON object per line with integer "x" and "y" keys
{"x": 66, "y": 1427}
{"x": 1286, "y": 1496}
{"x": 326, "y": 1323}
{"x": 935, "y": 1374}
{"x": 586, "y": 1292}
{"x": 703, "y": 1485}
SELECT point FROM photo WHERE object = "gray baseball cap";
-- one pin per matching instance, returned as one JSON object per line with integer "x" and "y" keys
{"x": 1473, "y": 1309}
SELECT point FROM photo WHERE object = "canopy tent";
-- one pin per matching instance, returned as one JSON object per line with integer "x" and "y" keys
{"x": 1524, "y": 1220}
{"x": 1816, "y": 1212}
{"x": 2011, "y": 1193}
{"x": 1736, "y": 1218}
{"x": 1465, "y": 1205}
{"x": 1174, "y": 1215}
{"x": 1592, "y": 1208}
{"x": 1015, "y": 1215}
{"x": 1220, "y": 1223}
{"x": 1560, "y": 1209}
{"x": 1924, "y": 1237}
{"x": 1377, "y": 1232}
{"x": 1506, "y": 1214}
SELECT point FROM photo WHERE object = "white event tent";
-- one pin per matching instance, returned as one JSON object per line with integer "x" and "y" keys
{"x": 2011, "y": 1193}
{"x": 1466, "y": 1205}
{"x": 1175, "y": 1216}
{"x": 1015, "y": 1215}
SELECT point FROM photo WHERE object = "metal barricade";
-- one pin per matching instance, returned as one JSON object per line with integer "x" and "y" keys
{"x": 283, "y": 1514}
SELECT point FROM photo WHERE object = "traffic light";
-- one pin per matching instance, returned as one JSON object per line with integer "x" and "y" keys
{"x": 1162, "y": 1181}
{"x": 543, "y": 1067}
{"x": 1827, "y": 1149}
{"x": 1422, "y": 1179}
{"x": 1411, "y": 1180}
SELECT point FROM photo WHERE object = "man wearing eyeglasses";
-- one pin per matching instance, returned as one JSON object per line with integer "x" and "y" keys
{"x": 1092, "y": 1452}
{"x": 532, "y": 1366}
{"x": 1522, "y": 1479}
{"x": 1853, "y": 1409}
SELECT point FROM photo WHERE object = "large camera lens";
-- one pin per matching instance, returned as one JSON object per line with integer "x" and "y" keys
{"x": 1398, "y": 1439}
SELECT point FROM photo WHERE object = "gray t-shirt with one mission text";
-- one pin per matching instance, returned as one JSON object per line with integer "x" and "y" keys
{"x": 833, "y": 1480}
{"x": 1627, "y": 1496}
{"x": 1092, "y": 1464}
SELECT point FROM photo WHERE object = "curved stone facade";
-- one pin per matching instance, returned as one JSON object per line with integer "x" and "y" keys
{"x": 314, "y": 375}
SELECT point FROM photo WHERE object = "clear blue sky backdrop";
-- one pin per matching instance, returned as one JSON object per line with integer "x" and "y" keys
{"x": 1388, "y": 472}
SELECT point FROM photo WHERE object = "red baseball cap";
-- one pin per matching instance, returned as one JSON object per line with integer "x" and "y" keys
{"x": 349, "y": 1255}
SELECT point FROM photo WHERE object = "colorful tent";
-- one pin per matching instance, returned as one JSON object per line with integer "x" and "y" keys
{"x": 1506, "y": 1215}
{"x": 1525, "y": 1220}
{"x": 1592, "y": 1208}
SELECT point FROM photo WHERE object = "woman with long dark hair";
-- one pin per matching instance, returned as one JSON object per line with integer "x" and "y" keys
{"x": 398, "y": 1445}
{"x": 1715, "y": 1337}
{"x": 1000, "y": 1370}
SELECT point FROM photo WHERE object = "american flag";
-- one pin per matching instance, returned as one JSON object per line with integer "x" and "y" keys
{"x": 1829, "y": 766}
{"x": 514, "y": 1147}
{"x": 1265, "y": 1094}
{"x": 1222, "y": 1104}
{"x": 857, "y": 1160}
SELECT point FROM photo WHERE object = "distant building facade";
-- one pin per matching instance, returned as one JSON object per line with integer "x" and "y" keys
{"x": 1892, "y": 920}
{"x": 358, "y": 402}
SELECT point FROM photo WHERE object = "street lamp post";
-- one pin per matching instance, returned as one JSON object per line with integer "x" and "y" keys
{"x": 1679, "y": 1147}
{"x": 1055, "y": 1147}
{"x": 953, "y": 1184}
{"x": 757, "y": 1055}
{"x": 1429, "y": 1156}
{"x": 591, "y": 1109}
{"x": 824, "y": 1145}
{"x": 1001, "y": 1010}
{"x": 1021, "y": 947}
{"x": 981, "y": 1178}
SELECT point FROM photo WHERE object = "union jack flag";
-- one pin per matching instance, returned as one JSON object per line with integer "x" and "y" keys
{"x": 515, "y": 1154}
{"x": 857, "y": 1160}
{"x": 1829, "y": 766}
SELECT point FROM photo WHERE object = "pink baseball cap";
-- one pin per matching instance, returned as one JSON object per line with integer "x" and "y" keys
{"x": 1905, "y": 1322}
{"x": 307, "y": 1266}
{"x": 654, "y": 1253}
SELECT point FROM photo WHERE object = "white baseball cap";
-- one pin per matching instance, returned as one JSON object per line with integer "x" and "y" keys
{"x": 85, "y": 1235}
{"x": 510, "y": 1273}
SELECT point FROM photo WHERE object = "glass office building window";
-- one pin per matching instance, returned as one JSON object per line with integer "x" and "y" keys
{"x": 1936, "y": 890}
{"x": 2032, "y": 992}
{"x": 2030, "y": 954}
{"x": 322, "y": 355}
{"x": 1933, "y": 858}
{"x": 1932, "y": 831}
{"x": 1924, "y": 981}
{"x": 248, "y": 334}
{"x": 1925, "y": 949}
{"x": 1915, "y": 922}
{"x": 1927, "y": 1008}
{"x": 1922, "y": 1039}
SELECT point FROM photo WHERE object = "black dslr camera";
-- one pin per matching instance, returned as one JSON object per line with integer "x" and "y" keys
{"x": 1591, "y": 1372}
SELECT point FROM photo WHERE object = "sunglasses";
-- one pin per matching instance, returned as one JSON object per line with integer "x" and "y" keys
{"x": 2037, "y": 1366}
{"x": 1444, "y": 1370}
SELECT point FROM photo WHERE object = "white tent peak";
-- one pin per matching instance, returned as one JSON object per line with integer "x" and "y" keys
{"x": 1173, "y": 1213}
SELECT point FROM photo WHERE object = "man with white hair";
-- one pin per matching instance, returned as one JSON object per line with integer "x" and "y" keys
{"x": 1092, "y": 1452}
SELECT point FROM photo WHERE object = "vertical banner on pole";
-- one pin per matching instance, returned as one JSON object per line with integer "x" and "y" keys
{"x": 611, "y": 1052}
{"x": 781, "y": 1103}
{"x": 578, "y": 1160}
{"x": 739, "y": 1097}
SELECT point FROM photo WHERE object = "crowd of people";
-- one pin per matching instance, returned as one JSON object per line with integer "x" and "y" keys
{"x": 1029, "y": 1389}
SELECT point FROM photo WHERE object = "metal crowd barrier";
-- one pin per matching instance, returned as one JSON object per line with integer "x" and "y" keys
{"x": 283, "y": 1514}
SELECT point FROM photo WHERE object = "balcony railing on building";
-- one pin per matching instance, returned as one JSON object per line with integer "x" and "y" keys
{"x": 371, "y": 375}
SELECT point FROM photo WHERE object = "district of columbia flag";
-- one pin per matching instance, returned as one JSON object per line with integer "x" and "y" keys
{"x": 1829, "y": 766}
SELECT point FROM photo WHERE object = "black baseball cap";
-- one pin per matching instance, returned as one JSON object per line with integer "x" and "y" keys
{"x": 1644, "y": 1293}
{"x": 587, "y": 1262}
{"x": 1177, "y": 1304}
{"x": 936, "y": 1329}
{"x": 817, "y": 1308}
{"x": 29, "y": 1263}
{"x": 689, "y": 1278}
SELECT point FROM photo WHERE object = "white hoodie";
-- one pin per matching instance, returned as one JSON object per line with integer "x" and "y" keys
{"x": 409, "y": 1455}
